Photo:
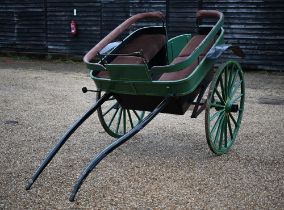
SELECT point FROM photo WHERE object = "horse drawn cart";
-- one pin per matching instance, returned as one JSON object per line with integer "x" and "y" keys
{"x": 147, "y": 73}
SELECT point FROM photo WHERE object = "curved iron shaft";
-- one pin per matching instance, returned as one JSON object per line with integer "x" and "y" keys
{"x": 64, "y": 138}
{"x": 114, "y": 145}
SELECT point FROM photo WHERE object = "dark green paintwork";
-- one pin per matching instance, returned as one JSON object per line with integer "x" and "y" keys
{"x": 129, "y": 73}
{"x": 136, "y": 79}
{"x": 175, "y": 45}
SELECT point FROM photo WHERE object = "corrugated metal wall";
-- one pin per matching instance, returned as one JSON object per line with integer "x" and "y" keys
{"x": 258, "y": 27}
{"x": 43, "y": 26}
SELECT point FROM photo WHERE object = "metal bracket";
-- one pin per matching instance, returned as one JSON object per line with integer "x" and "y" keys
{"x": 199, "y": 106}
{"x": 107, "y": 49}
{"x": 215, "y": 52}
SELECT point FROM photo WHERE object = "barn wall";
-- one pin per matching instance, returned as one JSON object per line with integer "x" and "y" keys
{"x": 258, "y": 27}
{"x": 23, "y": 26}
{"x": 95, "y": 19}
{"x": 181, "y": 16}
{"x": 59, "y": 16}
{"x": 115, "y": 12}
{"x": 43, "y": 26}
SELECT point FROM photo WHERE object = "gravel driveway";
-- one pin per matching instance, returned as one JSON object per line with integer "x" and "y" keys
{"x": 168, "y": 165}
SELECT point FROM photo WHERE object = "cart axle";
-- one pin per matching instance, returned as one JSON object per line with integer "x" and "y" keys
{"x": 234, "y": 108}
{"x": 228, "y": 108}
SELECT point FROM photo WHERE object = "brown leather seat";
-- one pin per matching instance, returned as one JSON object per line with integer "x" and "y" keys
{"x": 186, "y": 51}
{"x": 127, "y": 60}
{"x": 192, "y": 45}
{"x": 179, "y": 74}
{"x": 149, "y": 44}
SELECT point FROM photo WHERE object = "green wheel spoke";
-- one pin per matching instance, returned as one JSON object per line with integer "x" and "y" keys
{"x": 230, "y": 128}
{"x": 226, "y": 83}
{"x": 124, "y": 121}
{"x": 236, "y": 99}
{"x": 130, "y": 118}
{"x": 225, "y": 132}
{"x": 222, "y": 89}
{"x": 216, "y": 124}
{"x": 222, "y": 133}
{"x": 217, "y": 105}
{"x": 139, "y": 118}
{"x": 112, "y": 107}
{"x": 235, "y": 88}
{"x": 215, "y": 115}
{"x": 230, "y": 81}
{"x": 113, "y": 117}
{"x": 234, "y": 78}
{"x": 219, "y": 96}
{"x": 233, "y": 119}
{"x": 221, "y": 136}
{"x": 220, "y": 125}
{"x": 118, "y": 120}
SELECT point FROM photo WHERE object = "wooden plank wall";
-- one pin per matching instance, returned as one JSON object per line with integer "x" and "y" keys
{"x": 181, "y": 17}
{"x": 23, "y": 26}
{"x": 43, "y": 26}
{"x": 59, "y": 16}
{"x": 115, "y": 12}
{"x": 257, "y": 26}
{"x": 95, "y": 19}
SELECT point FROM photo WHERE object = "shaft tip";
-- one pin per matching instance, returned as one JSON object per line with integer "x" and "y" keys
{"x": 72, "y": 197}
{"x": 29, "y": 184}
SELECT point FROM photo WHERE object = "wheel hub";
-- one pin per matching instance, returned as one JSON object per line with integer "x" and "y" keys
{"x": 229, "y": 107}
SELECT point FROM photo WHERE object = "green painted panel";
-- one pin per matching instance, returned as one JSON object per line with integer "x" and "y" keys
{"x": 136, "y": 79}
{"x": 126, "y": 72}
{"x": 176, "y": 44}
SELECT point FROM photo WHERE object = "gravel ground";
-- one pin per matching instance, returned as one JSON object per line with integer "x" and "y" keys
{"x": 168, "y": 165}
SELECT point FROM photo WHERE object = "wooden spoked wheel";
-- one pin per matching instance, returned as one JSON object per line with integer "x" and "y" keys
{"x": 115, "y": 119}
{"x": 224, "y": 108}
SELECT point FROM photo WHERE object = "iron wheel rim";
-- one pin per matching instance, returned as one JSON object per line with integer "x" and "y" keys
{"x": 117, "y": 120}
{"x": 225, "y": 107}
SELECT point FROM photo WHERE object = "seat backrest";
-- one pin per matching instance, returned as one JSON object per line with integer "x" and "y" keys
{"x": 148, "y": 44}
{"x": 186, "y": 51}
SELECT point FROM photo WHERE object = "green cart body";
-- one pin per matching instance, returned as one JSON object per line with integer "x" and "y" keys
{"x": 137, "y": 81}
{"x": 147, "y": 72}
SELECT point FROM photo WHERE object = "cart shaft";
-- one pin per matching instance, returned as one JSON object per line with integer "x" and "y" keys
{"x": 64, "y": 138}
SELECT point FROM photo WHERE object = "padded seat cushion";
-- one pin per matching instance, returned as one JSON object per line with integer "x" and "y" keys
{"x": 186, "y": 51}
{"x": 179, "y": 74}
{"x": 192, "y": 45}
{"x": 150, "y": 44}
{"x": 127, "y": 60}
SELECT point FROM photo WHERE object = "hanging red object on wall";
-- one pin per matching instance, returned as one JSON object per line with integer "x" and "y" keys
{"x": 73, "y": 26}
